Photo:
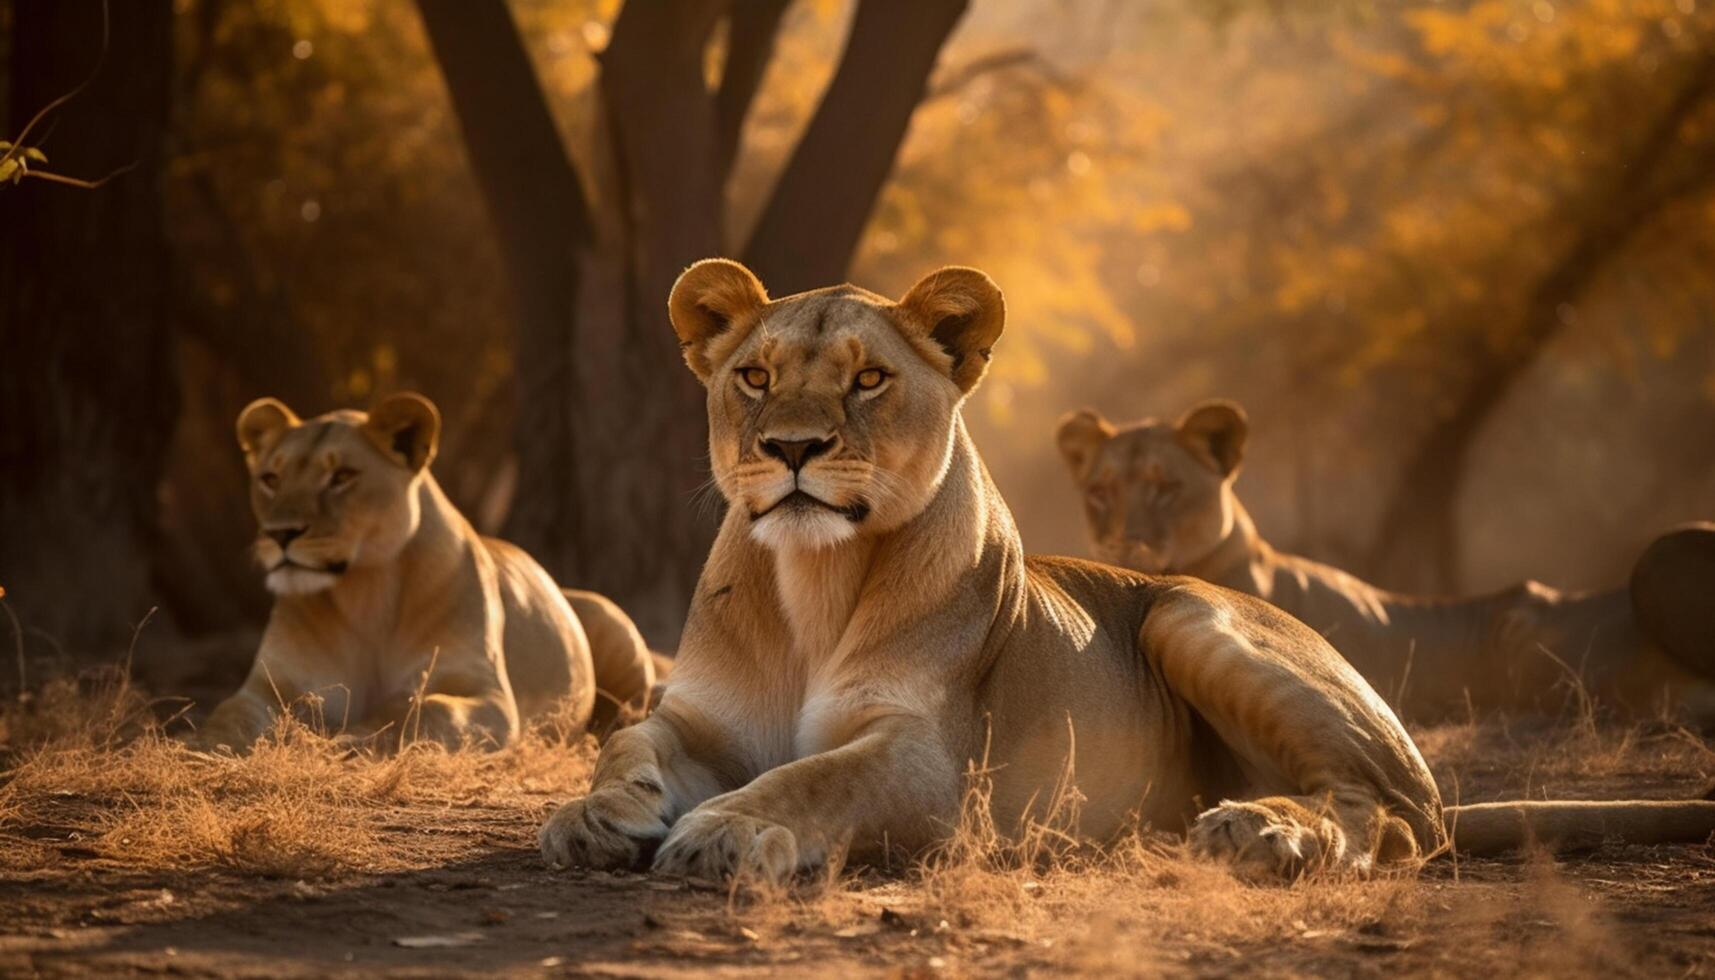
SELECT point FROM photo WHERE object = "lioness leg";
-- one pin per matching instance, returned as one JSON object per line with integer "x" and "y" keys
{"x": 237, "y": 722}
{"x": 892, "y": 782}
{"x": 645, "y": 778}
{"x": 1339, "y": 782}
{"x": 1289, "y": 836}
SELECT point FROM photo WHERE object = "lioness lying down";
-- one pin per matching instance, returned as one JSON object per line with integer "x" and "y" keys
{"x": 380, "y": 581}
{"x": 867, "y": 626}
{"x": 1158, "y": 497}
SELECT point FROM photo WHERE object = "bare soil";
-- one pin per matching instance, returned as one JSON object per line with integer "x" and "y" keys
{"x": 132, "y": 857}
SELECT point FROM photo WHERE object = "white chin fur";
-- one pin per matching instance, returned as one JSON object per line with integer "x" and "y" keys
{"x": 802, "y": 530}
{"x": 299, "y": 581}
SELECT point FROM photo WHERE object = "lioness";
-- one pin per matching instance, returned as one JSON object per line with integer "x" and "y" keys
{"x": 1158, "y": 497}
{"x": 384, "y": 591}
{"x": 867, "y": 625}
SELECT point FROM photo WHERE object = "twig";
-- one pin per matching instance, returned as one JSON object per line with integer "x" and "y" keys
{"x": 414, "y": 717}
{"x": 125, "y": 670}
{"x": 957, "y": 79}
{"x": 17, "y": 146}
{"x": 88, "y": 185}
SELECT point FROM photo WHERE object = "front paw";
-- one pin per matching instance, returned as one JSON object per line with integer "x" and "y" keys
{"x": 712, "y": 844}
{"x": 210, "y": 742}
{"x": 606, "y": 829}
{"x": 1259, "y": 842}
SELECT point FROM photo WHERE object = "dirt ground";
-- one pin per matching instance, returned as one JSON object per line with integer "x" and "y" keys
{"x": 124, "y": 856}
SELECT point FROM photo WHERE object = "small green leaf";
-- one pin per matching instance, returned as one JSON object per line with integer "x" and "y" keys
{"x": 5, "y": 145}
{"x": 10, "y": 167}
{"x": 32, "y": 153}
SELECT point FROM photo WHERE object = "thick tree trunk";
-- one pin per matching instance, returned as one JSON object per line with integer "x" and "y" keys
{"x": 1417, "y": 547}
{"x": 88, "y": 399}
{"x": 536, "y": 205}
{"x": 642, "y": 423}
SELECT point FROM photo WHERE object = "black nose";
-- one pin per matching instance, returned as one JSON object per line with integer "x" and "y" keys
{"x": 796, "y": 452}
{"x": 284, "y": 535}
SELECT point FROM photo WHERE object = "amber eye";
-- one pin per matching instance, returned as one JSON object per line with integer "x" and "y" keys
{"x": 269, "y": 481}
{"x": 869, "y": 379}
{"x": 754, "y": 377}
{"x": 341, "y": 477}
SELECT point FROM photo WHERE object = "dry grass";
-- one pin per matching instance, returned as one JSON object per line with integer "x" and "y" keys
{"x": 89, "y": 774}
{"x": 300, "y": 805}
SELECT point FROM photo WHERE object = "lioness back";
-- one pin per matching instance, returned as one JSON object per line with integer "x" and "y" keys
{"x": 626, "y": 667}
{"x": 548, "y": 652}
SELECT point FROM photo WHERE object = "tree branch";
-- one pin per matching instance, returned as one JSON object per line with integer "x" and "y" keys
{"x": 813, "y": 221}
{"x": 751, "y": 29}
{"x": 956, "y": 80}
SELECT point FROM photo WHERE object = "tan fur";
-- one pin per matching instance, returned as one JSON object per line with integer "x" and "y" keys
{"x": 844, "y": 662}
{"x": 386, "y": 590}
{"x": 1159, "y": 497}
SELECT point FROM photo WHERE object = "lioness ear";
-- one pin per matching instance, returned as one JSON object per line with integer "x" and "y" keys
{"x": 261, "y": 421}
{"x": 406, "y": 427}
{"x": 1082, "y": 435}
{"x": 1216, "y": 430}
{"x": 962, "y": 311}
{"x": 709, "y": 298}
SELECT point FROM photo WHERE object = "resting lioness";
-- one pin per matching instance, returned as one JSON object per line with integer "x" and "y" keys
{"x": 1158, "y": 497}
{"x": 867, "y": 626}
{"x": 384, "y": 591}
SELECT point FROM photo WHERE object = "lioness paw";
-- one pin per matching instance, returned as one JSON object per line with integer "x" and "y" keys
{"x": 606, "y": 829}
{"x": 712, "y": 844}
{"x": 1262, "y": 842}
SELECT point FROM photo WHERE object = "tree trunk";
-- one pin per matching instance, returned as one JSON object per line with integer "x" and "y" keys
{"x": 90, "y": 397}
{"x": 1417, "y": 547}
{"x": 642, "y": 423}
{"x": 536, "y": 205}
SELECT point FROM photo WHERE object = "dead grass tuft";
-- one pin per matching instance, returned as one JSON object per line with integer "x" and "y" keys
{"x": 87, "y": 760}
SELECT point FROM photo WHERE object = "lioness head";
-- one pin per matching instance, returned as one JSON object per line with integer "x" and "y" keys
{"x": 336, "y": 492}
{"x": 1157, "y": 496}
{"x": 831, "y": 413}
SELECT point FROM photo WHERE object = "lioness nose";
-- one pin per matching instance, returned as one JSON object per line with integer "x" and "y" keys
{"x": 796, "y": 452}
{"x": 284, "y": 535}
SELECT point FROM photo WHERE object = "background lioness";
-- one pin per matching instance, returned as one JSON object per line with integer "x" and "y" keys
{"x": 1158, "y": 497}
{"x": 383, "y": 590}
{"x": 867, "y": 626}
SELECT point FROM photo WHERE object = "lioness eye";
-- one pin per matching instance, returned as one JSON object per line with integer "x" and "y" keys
{"x": 342, "y": 476}
{"x": 869, "y": 379}
{"x": 754, "y": 377}
{"x": 269, "y": 481}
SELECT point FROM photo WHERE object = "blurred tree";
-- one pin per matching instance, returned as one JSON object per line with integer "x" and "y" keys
{"x": 1464, "y": 185}
{"x": 90, "y": 396}
{"x": 611, "y": 444}
{"x": 1656, "y": 169}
